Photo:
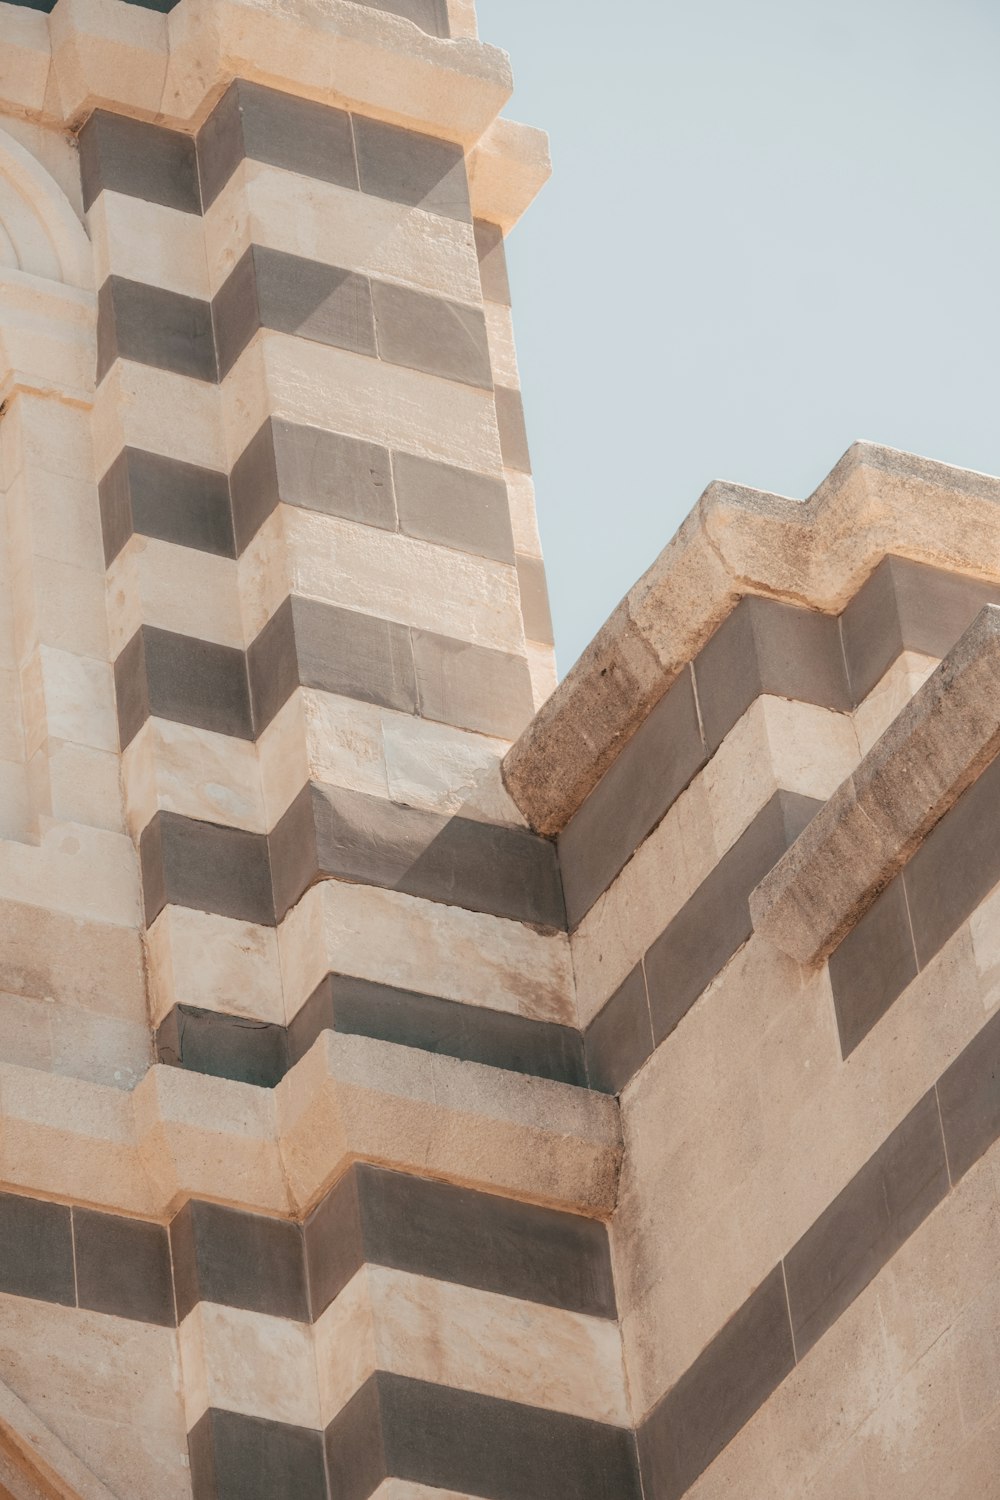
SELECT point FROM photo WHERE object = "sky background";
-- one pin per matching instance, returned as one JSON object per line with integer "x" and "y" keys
{"x": 773, "y": 227}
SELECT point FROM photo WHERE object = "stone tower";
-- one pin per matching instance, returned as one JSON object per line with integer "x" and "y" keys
{"x": 415, "y": 1082}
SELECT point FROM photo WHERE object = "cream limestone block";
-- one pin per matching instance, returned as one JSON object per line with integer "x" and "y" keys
{"x": 498, "y": 1346}
{"x": 264, "y": 574}
{"x": 99, "y": 1049}
{"x": 890, "y": 696}
{"x": 35, "y": 1449}
{"x": 42, "y": 233}
{"x": 526, "y": 1137}
{"x": 194, "y": 1371}
{"x": 362, "y": 57}
{"x": 79, "y": 698}
{"x": 420, "y": 945}
{"x": 209, "y": 1138}
{"x": 214, "y": 963}
{"x": 181, "y": 589}
{"x": 343, "y": 740}
{"x": 84, "y": 785}
{"x": 280, "y": 375}
{"x": 542, "y": 669}
{"x": 15, "y": 801}
{"x": 500, "y": 335}
{"x": 399, "y": 578}
{"x": 84, "y": 872}
{"x": 53, "y": 147}
{"x": 11, "y": 729}
{"x": 906, "y": 1444}
{"x": 445, "y": 769}
{"x": 345, "y": 1345}
{"x": 49, "y": 955}
{"x": 149, "y": 242}
{"x": 48, "y": 341}
{"x": 662, "y": 874}
{"x": 61, "y": 517}
{"x": 97, "y": 1382}
{"x": 264, "y": 205}
{"x": 508, "y": 167}
{"x": 984, "y": 929}
{"x": 25, "y": 60}
{"x": 45, "y": 436}
{"x": 69, "y": 1138}
{"x": 258, "y": 1365}
{"x": 195, "y": 772}
{"x": 102, "y": 57}
{"x": 139, "y": 406}
{"x": 66, "y": 608}
{"x": 283, "y": 758}
{"x": 462, "y": 18}
{"x": 523, "y": 516}
{"x": 402, "y": 1489}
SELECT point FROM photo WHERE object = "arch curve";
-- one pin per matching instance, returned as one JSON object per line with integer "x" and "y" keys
{"x": 39, "y": 232}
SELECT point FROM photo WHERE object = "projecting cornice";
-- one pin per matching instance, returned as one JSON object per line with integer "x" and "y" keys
{"x": 737, "y": 542}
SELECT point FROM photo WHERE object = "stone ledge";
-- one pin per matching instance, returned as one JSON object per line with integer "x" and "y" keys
{"x": 182, "y": 1135}
{"x": 739, "y": 542}
{"x": 940, "y": 743}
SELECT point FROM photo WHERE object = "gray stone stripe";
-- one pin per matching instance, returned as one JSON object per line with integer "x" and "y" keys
{"x": 146, "y": 494}
{"x": 330, "y": 832}
{"x": 262, "y": 124}
{"x": 261, "y": 1053}
{"x": 397, "y": 1427}
{"x": 156, "y": 1273}
{"x": 955, "y": 868}
{"x": 159, "y": 5}
{"x": 948, "y": 1131}
{"x": 762, "y": 647}
{"x": 290, "y": 294}
{"x": 307, "y": 643}
{"x": 693, "y": 948}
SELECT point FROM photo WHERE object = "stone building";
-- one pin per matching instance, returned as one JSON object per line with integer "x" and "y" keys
{"x": 416, "y": 1082}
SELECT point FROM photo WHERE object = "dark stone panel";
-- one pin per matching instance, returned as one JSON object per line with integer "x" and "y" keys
{"x": 429, "y": 15}
{"x": 205, "y": 866}
{"x": 278, "y": 129}
{"x": 481, "y": 1240}
{"x": 956, "y": 866}
{"x": 314, "y": 301}
{"x": 152, "y": 326}
{"x": 431, "y": 334}
{"x": 142, "y": 161}
{"x": 339, "y": 476}
{"x": 238, "y": 1259}
{"x": 455, "y": 507}
{"x": 872, "y": 966}
{"x": 479, "y": 1445}
{"x": 36, "y": 1250}
{"x": 236, "y": 312}
{"x": 729, "y": 1381}
{"x": 272, "y": 667}
{"x": 471, "y": 686}
{"x": 131, "y": 689}
{"x": 193, "y": 682}
{"x": 715, "y": 921}
{"x": 222, "y": 1045}
{"x": 355, "y": 1451}
{"x": 405, "y": 167}
{"x": 492, "y": 262}
{"x": 123, "y": 1267}
{"x": 513, "y": 433}
{"x": 474, "y": 1033}
{"x": 534, "y": 599}
{"x": 334, "y": 1250}
{"x": 234, "y": 1457}
{"x": 969, "y": 1095}
{"x": 866, "y": 1224}
{"x": 294, "y": 853}
{"x": 253, "y": 486}
{"x": 167, "y": 499}
{"x": 871, "y": 632}
{"x": 505, "y": 871}
{"x": 620, "y": 1037}
{"x": 355, "y": 655}
{"x": 768, "y": 647}
{"x": 635, "y": 792}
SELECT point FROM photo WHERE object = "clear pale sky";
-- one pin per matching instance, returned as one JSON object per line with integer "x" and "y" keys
{"x": 773, "y": 227}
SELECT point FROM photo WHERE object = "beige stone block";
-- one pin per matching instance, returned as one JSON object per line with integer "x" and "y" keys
{"x": 174, "y": 588}
{"x": 84, "y": 872}
{"x": 33, "y": 1455}
{"x": 984, "y": 930}
{"x": 259, "y": 1365}
{"x": 99, "y": 57}
{"x": 84, "y": 785}
{"x": 399, "y": 578}
{"x": 500, "y": 336}
{"x": 890, "y": 696}
{"x": 345, "y": 1345}
{"x": 42, "y": 435}
{"x": 47, "y": 332}
{"x": 265, "y": 205}
{"x": 96, "y": 1382}
{"x": 523, "y": 517}
{"x": 16, "y": 820}
{"x": 264, "y": 574}
{"x": 194, "y": 1371}
{"x": 341, "y": 744}
{"x": 69, "y": 609}
{"x": 25, "y": 60}
{"x": 306, "y": 382}
{"x": 11, "y": 733}
{"x": 421, "y": 945}
{"x": 63, "y": 517}
{"x": 908, "y": 1439}
{"x": 283, "y": 758}
{"x": 462, "y": 18}
{"x": 195, "y": 772}
{"x": 79, "y": 698}
{"x": 214, "y": 963}
{"x": 543, "y": 671}
{"x": 49, "y": 955}
{"x": 508, "y": 167}
{"x": 139, "y": 406}
{"x": 149, "y": 242}
{"x": 662, "y": 874}
{"x": 445, "y": 769}
{"x": 402, "y": 1489}
{"x": 99, "y": 1049}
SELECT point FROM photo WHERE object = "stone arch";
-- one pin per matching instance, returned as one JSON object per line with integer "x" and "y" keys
{"x": 39, "y": 232}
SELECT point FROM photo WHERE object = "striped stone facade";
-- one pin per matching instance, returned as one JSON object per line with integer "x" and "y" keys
{"x": 416, "y": 1080}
